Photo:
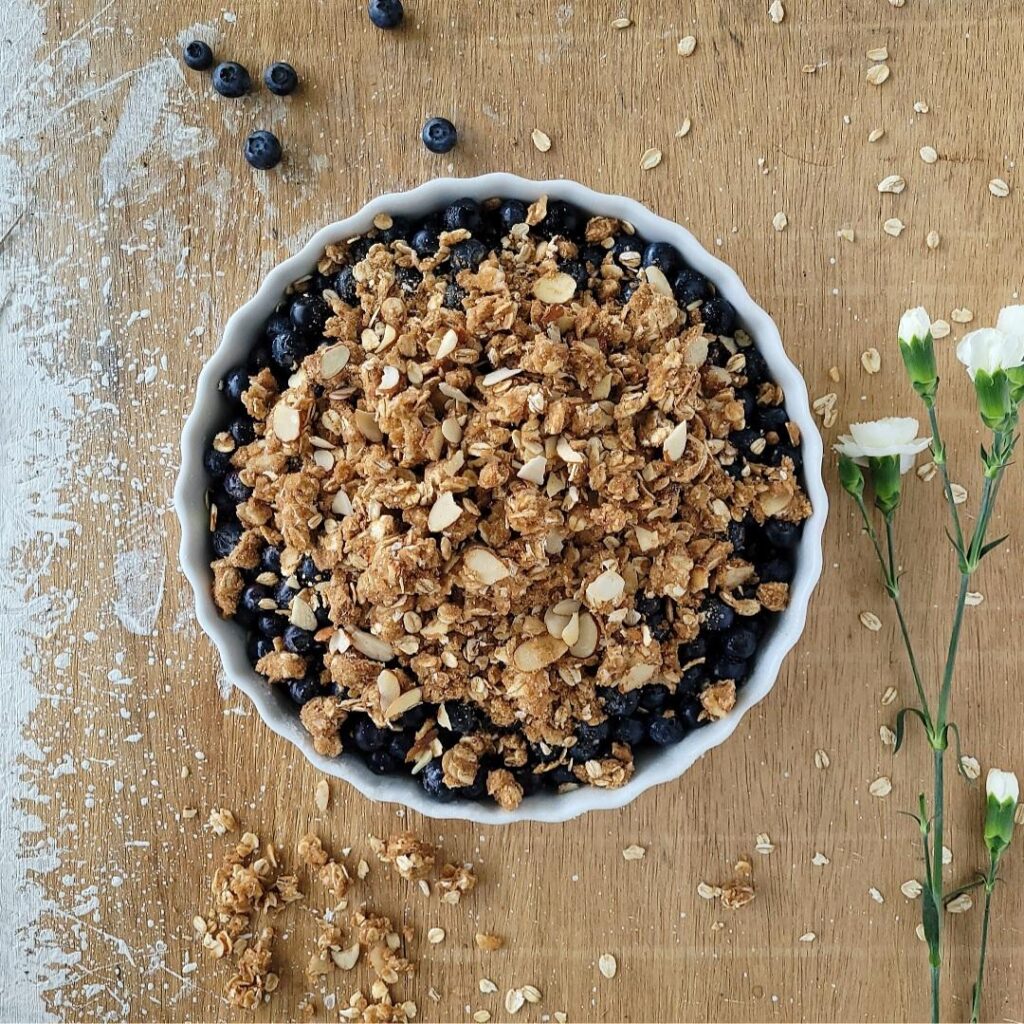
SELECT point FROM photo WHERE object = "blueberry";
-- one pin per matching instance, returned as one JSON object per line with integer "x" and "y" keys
{"x": 424, "y": 242}
{"x": 654, "y": 697}
{"x": 468, "y": 255}
{"x": 385, "y": 13}
{"x": 271, "y": 625}
{"x": 270, "y": 559}
{"x": 439, "y": 135}
{"x": 776, "y": 570}
{"x": 737, "y": 534}
{"x": 383, "y": 762}
{"x": 729, "y": 668}
{"x": 781, "y": 533}
{"x": 252, "y": 596}
{"x": 718, "y": 315}
{"x": 307, "y": 571}
{"x": 216, "y": 463}
{"x": 718, "y": 354}
{"x": 257, "y": 647}
{"x": 591, "y": 741}
{"x": 664, "y": 730}
{"x": 463, "y": 213}
{"x": 345, "y": 286}
{"x": 231, "y": 80}
{"x": 398, "y": 228}
{"x": 626, "y": 289}
{"x": 453, "y": 296}
{"x": 743, "y": 439}
{"x": 309, "y": 314}
{"x": 234, "y": 488}
{"x": 242, "y": 430}
{"x": 197, "y": 55}
{"x": 528, "y": 780}
{"x": 226, "y": 538}
{"x": 740, "y": 643}
{"x": 748, "y": 400}
{"x": 692, "y": 680}
{"x": 298, "y": 640}
{"x": 235, "y": 383}
{"x": 654, "y": 611}
{"x": 367, "y": 737}
{"x": 619, "y": 704}
{"x": 259, "y": 357}
{"x": 626, "y": 243}
{"x": 690, "y": 287}
{"x": 782, "y": 451}
{"x": 562, "y": 219}
{"x": 283, "y": 595}
{"x": 280, "y": 78}
{"x": 664, "y": 257}
{"x": 561, "y": 776}
{"x": 593, "y": 255}
{"x": 287, "y": 349}
{"x": 432, "y": 781}
{"x": 756, "y": 370}
{"x": 408, "y": 279}
{"x": 718, "y": 616}
{"x": 400, "y": 742}
{"x": 415, "y": 717}
{"x": 696, "y": 648}
{"x": 629, "y": 730}
{"x": 577, "y": 270}
{"x": 772, "y": 417}
{"x": 462, "y": 717}
{"x": 302, "y": 691}
{"x": 262, "y": 150}
{"x": 511, "y": 212}
{"x": 690, "y": 711}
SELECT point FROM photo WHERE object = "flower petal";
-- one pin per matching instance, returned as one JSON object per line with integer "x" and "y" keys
{"x": 915, "y": 323}
{"x": 1011, "y": 320}
{"x": 884, "y": 433}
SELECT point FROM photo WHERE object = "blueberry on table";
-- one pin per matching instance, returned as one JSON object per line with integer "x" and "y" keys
{"x": 439, "y": 135}
{"x": 197, "y": 55}
{"x": 287, "y": 349}
{"x": 463, "y": 213}
{"x": 512, "y": 212}
{"x": 385, "y": 13}
{"x": 262, "y": 150}
{"x": 231, "y": 80}
{"x": 664, "y": 257}
{"x": 280, "y": 78}
{"x": 432, "y": 781}
{"x": 664, "y": 730}
{"x": 309, "y": 314}
{"x": 226, "y": 538}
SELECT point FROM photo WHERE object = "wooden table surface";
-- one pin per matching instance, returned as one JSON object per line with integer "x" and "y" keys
{"x": 135, "y": 228}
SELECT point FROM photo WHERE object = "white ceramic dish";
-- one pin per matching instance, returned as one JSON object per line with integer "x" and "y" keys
{"x": 273, "y": 705}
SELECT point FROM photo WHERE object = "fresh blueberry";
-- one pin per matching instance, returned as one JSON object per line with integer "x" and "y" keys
{"x": 463, "y": 213}
{"x": 270, "y": 559}
{"x": 664, "y": 257}
{"x": 252, "y": 597}
{"x": 743, "y": 439}
{"x": 414, "y": 718}
{"x": 408, "y": 279}
{"x": 627, "y": 243}
{"x": 258, "y": 647}
{"x": 226, "y": 538}
{"x": 462, "y": 717}
{"x": 283, "y": 594}
{"x": 382, "y": 762}
{"x": 322, "y": 614}
{"x": 197, "y": 55}
{"x": 287, "y": 349}
{"x": 424, "y": 242}
{"x": 718, "y": 354}
{"x": 664, "y": 730}
{"x": 298, "y": 640}
{"x": 718, "y": 616}
{"x": 271, "y": 625}
{"x": 781, "y": 533}
{"x": 696, "y": 648}
{"x": 654, "y": 697}
{"x": 345, "y": 286}
{"x": 280, "y": 78}
{"x": 690, "y": 287}
{"x": 629, "y": 730}
{"x": 562, "y": 775}
{"x": 616, "y": 703}
{"x": 367, "y": 736}
{"x": 577, "y": 270}
{"x": 562, "y": 219}
{"x": 307, "y": 571}
{"x": 302, "y": 691}
{"x": 590, "y": 741}
{"x": 528, "y": 780}
{"x": 309, "y": 314}
{"x": 593, "y": 255}
{"x": 231, "y": 80}
{"x": 400, "y": 742}
{"x": 748, "y": 400}
{"x": 467, "y": 255}
{"x": 262, "y": 150}
{"x": 737, "y": 534}
{"x": 439, "y": 135}
{"x": 729, "y": 668}
{"x": 756, "y": 370}
{"x": 511, "y": 212}
{"x": 772, "y": 417}
{"x": 692, "y": 680}
{"x": 453, "y": 296}
{"x": 385, "y": 13}
{"x": 216, "y": 463}
{"x": 259, "y": 358}
{"x": 776, "y": 570}
{"x": 786, "y": 451}
{"x": 242, "y": 430}
{"x": 626, "y": 289}
{"x": 653, "y": 611}
{"x": 399, "y": 227}
{"x": 432, "y": 781}
{"x": 235, "y": 383}
{"x": 234, "y": 488}
{"x": 690, "y": 711}
{"x": 740, "y": 643}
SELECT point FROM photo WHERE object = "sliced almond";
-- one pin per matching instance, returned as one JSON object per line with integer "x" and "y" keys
{"x": 533, "y": 470}
{"x": 406, "y": 702}
{"x": 286, "y": 422}
{"x": 448, "y": 344}
{"x": 367, "y": 426}
{"x": 443, "y": 513}
{"x": 538, "y": 653}
{"x": 389, "y": 378}
{"x": 301, "y": 615}
{"x": 369, "y": 645}
{"x": 587, "y": 642}
{"x": 606, "y": 589}
{"x": 346, "y": 959}
{"x": 675, "y": 443}
{"x": 555, "y": 288}
{"x": 389, "y": 687}
{"x": 566, "y": 452}
{"x": 485, "y": 566}
{"x": 497, "y": 376}
{"x": 555, "y": 623}
{"x": 571, "y": 633}
{"x": 658, "y": 281}
{"x": 333, "y": 361}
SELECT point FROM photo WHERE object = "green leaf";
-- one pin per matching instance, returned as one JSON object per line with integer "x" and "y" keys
{"x": 966, "y": 887}
{"x": 991, "y": 546}
{"x": 900, "y": 720}
{"x": 952, "y": 728}
{"x": 930, "y": 921}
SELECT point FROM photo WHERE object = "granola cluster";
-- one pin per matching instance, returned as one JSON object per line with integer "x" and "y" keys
{"x": 508, "y": 496}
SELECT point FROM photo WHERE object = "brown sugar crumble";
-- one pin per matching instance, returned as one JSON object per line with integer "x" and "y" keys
{"x": 506, "y": 496}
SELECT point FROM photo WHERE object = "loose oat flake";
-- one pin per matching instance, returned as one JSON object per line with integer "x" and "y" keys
{"x": 932, "y": 240}
{"x": 960, "y": 904}
{"x": 819, "y": 860}
{"x": 650, "y": 159}
{"x": 959, "y": 493}
{"x": 686, "y": 46}
{"x": 776, "y": 12}
{"x": 621, "y": 23}
{"x": 970, "y": 767}
{"x": 999, "y": 188}
{"x": 940, "y": 328}
{"x": 607, "y": 965}
{"x": 869, "y": 620}
{"x": 892, "y": 183}
{"x": 871, "y": 360}
{"x": 928, "y": 154}
{"x": 633, "y": 852}
{"x": 876, "y": 895}
{"x": 763, "y": 844}
{"x": 962, "y": 315}
{"x": 877, "y": 73}
{"x": 911, "y": 888}
{"x": 821, "y": 759}
{"x": 684, "y": 129}
{"x": 973, "y": 598}
{"x": 807, "y": 937}
{"x": 881, "y": 787}
{"x": 887, "y": 736}
{"x": 779, "y": 221}
{"x": 875, "y": 134}
{"x": 889, "y": 695}
{"x": 878, "y": 53}
{"x": 540, "y": 140}
{"x": 893, "y": 226}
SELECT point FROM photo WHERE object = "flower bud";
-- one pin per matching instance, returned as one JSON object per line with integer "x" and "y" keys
{"x": 918, "y": 352}
{"x": 885, "y": 478}
{"x": 1002, "y": 793}
{"x": 851, "y": 477}
{"x": 998, "y": 411}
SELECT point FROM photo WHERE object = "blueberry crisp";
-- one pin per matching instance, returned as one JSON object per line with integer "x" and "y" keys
{"x": 505, "y": 495}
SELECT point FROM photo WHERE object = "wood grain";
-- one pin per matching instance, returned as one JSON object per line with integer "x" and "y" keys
{"x": 766, "y": 137}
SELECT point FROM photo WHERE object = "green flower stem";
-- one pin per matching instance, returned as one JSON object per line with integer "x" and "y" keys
{"x": 935, "y": 894}
{"x": 990, "y": 885}
{"x": 939, "y": 458}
